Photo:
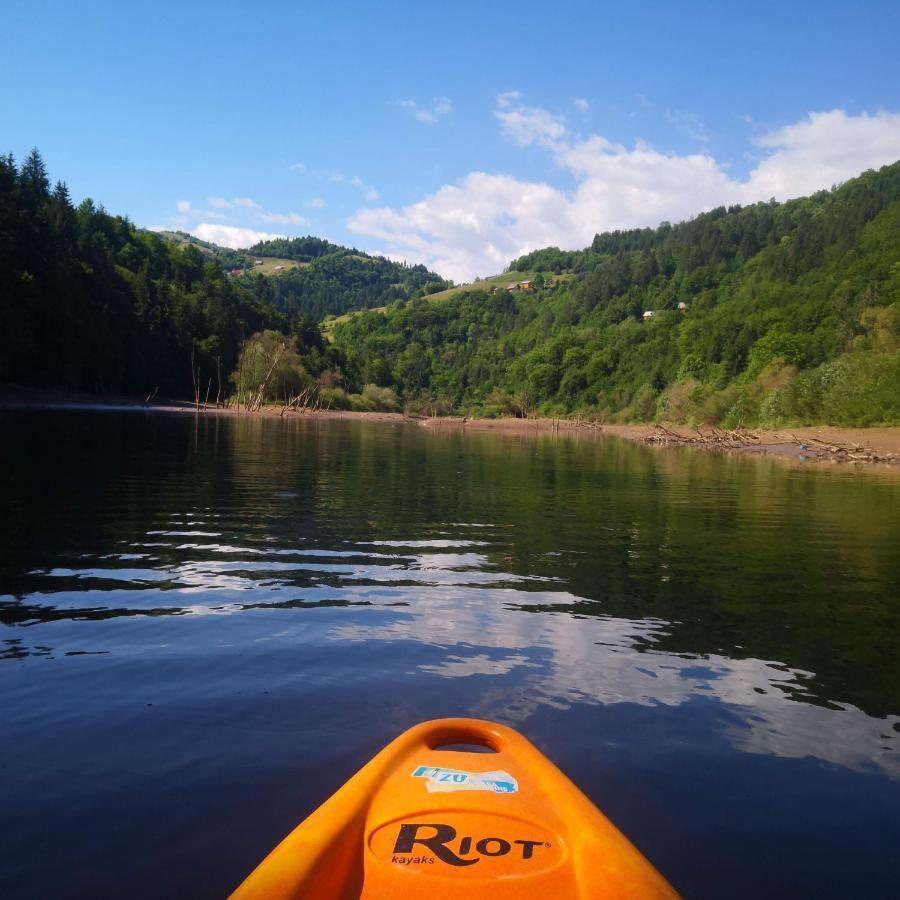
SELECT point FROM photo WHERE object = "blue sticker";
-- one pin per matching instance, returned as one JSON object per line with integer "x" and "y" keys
{"x": 439, "y": 780}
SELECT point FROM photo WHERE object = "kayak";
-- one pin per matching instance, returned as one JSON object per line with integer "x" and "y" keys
{"x": 456, "y": 808}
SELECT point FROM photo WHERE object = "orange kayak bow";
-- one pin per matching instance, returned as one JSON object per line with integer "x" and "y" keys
{"x": 422, "y": 821}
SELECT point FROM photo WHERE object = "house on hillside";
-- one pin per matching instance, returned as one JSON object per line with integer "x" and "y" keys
{"x": 649, "y": 314}
{"x": 682, "y": 307}
{"x": 526, "y": 285}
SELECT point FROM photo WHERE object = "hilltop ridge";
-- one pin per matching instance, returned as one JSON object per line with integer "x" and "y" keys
{"x": 775, "y": 312}
{"x": 311, "y": 277}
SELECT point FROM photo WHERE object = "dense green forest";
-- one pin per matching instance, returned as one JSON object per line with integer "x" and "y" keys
{"x": 330, "y": 279}
{"x": 774, "y": 313}
{"x": 89, "y": 301}
{"x": 335, "y": 279}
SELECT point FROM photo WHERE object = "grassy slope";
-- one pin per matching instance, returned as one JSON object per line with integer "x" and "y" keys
{"x": 505, "y": 280}
{"x": 183, "y": 239}
{"x": 272, "y": 265}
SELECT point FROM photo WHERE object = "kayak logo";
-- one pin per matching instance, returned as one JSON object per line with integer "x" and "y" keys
{"x": 466, "y": 843}
{"x": 438, "y": 838}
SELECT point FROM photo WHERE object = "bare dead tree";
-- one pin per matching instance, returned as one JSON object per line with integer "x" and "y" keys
{"x": 195, "y": 378}
{"x": 257, "y": 404}
{"x": 305, "y": 401}
{"x": 241, "y": 370}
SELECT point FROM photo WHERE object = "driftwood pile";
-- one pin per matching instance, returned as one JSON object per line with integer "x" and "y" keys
{"x": 849, "y": 453}
{"x": 541, "y": 423}
{"x": 741, "y": 439}
{"x": 725, "y": 439}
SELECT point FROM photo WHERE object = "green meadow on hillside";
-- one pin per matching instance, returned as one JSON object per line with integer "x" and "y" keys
{"x": 273, "y": 266}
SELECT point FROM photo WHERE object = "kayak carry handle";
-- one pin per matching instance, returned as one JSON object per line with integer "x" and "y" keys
{"x": 438, "y": 734}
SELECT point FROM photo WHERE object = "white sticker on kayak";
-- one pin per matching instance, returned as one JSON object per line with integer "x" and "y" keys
{"x": 438, "y": 779}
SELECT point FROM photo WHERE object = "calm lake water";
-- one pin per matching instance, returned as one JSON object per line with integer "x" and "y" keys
{"x": 208, "y": 626}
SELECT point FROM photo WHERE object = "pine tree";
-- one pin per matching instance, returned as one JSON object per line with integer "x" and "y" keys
{"x": 34, "y": 185}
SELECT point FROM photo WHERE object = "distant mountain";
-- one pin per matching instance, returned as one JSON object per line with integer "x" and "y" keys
{"x": 308, "y": 277}
{"x": 332, "y": 280}
{"x": 226, "y": 257}
{"x": 303, "y": 249}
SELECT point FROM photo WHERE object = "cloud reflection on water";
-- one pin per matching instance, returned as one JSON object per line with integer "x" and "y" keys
{"x": 498, "y": 625}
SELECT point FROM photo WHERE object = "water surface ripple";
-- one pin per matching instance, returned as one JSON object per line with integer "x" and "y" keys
{"x": 207, "y": 626}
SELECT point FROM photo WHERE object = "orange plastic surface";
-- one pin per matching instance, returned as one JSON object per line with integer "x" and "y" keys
{"x": 422, "y": 822}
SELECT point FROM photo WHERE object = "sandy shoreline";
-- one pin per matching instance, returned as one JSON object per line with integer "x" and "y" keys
{"x": 812, "y": 442}
{"x": 803, "y": 443}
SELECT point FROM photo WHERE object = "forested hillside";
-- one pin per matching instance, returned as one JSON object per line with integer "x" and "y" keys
{"x": 775, "y": 313}
{"x": 89, "y": 301}
{"x": 335, "y": 279}
{"x": 225, "y": 256}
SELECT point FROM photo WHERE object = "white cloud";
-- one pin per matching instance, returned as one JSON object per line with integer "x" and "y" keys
{"x": 507, "y": 98}
{"x": 526, "y": 125}
{"x": 221, "y": 209}
{"x": 338, "y": 177}
{"x": 291, "y": 218}
{"x": 298, "y": 167}
{"x": 823, "y": 149}
{"x": 477, "y": 225}
{"x": 231, "y": 236}
{"x": 235, "y": 202}
{"x": 471, "y": 228}
{"x": 430, "y": 115}
{"x": 372, "y": 194}
{"x": 582, "y": 104}
{"x": 316, "y": 203}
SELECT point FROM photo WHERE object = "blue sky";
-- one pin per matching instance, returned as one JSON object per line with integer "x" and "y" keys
{"x": 456, "y": 135}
